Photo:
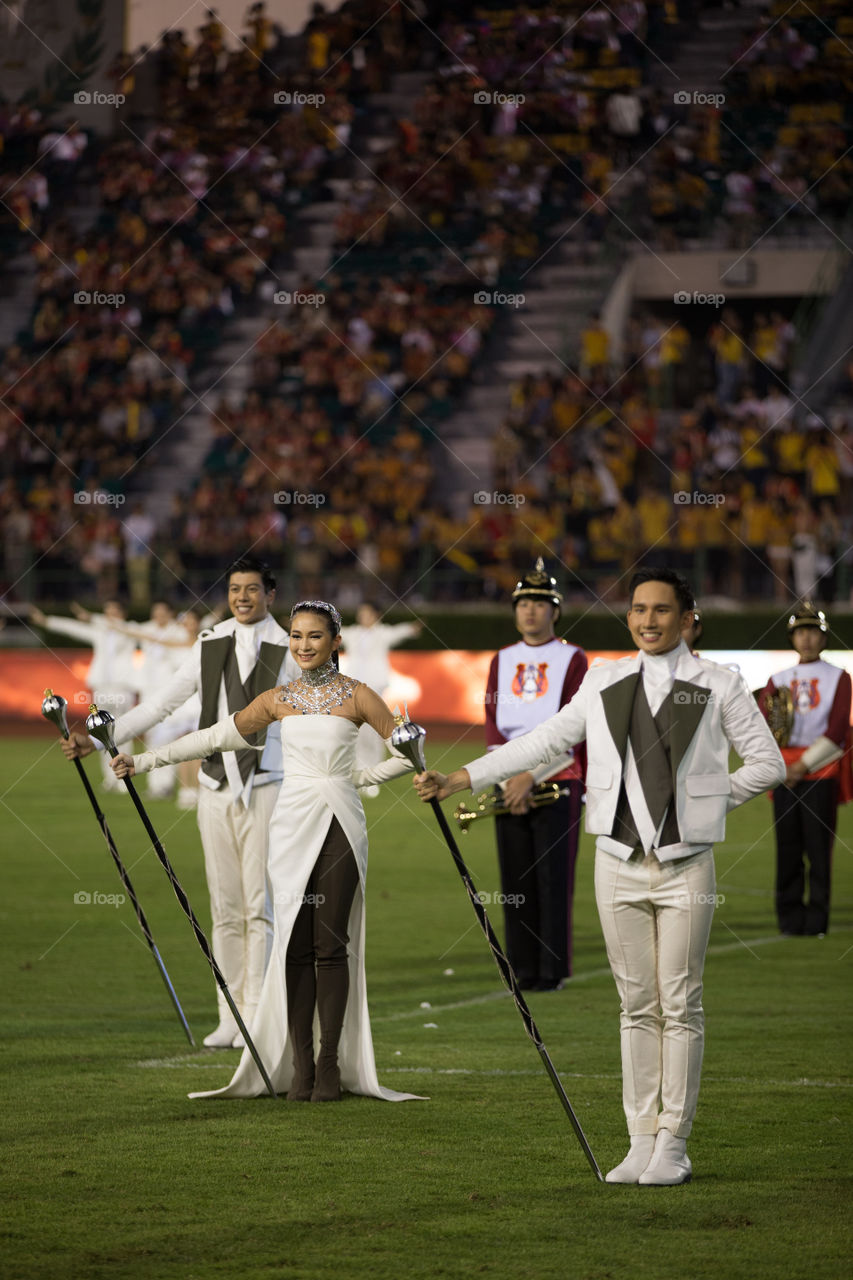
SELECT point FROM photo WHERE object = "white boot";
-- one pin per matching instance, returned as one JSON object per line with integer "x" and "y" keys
{"x": 669, "y": 1166}
{"x": 642, "y": 1149}
{"x": 223, "y": 1036}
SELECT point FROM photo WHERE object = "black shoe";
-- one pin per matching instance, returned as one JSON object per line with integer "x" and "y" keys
{"x": 553, "y": 984}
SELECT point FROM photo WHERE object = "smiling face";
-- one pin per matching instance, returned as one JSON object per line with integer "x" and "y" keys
{"x": 311, "y": 640}
{"x": 248, "y": 600}
{"x": 535, "y": 620}
{"x": 656, "y": 619}
{"x": 808, "y": 642}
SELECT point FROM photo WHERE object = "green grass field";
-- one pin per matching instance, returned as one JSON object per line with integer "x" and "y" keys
{"x": 110, "y": 1171}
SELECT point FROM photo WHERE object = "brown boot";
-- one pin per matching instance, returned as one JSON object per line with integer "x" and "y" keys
{"x": 327, "y": 1079}
{"x": 332, "y": 991}
{"x": 301, "y": 989}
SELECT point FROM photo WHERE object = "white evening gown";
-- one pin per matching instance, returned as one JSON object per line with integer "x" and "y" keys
{"x": 318, "y": 758}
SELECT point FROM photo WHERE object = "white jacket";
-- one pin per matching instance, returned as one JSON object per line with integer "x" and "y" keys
{"x": 713, "y": 711}
{"x": 187, "y": 680}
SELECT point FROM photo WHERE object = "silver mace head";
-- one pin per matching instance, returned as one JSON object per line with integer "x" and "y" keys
{"x": 53, "y": 708}
{"x": 408, "y": 738}
{"x": 100, "y": 725}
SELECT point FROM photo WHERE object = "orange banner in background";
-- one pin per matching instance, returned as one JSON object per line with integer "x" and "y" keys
{"x": 445, "y": 685}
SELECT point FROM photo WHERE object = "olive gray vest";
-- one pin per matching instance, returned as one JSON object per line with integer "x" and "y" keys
{"x": 658, "y": 743}
{"x": 218, "y": 661}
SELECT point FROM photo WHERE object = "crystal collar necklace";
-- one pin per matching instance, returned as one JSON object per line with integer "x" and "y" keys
{"x": 319, "y": 676}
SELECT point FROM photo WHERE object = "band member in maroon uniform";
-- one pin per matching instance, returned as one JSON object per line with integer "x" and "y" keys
{"x": 537, "y": 846}
{"x": 818, "y": 759}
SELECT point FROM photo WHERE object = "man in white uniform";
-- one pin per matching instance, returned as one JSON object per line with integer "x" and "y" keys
{"x": 366, "y": 648}
{"x": 658, "y": 730}
{"x": 228, "y": 667}
{"x": 111, "y": 677}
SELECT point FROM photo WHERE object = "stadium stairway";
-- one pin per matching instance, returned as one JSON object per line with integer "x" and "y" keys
{"x": 17, "y": 295}
{"x": 707, "y": 53}
{"x": 540, "y": 335}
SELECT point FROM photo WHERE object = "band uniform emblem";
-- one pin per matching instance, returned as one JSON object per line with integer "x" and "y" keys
{"x": 530, "y": 680}
{"x": 805, "y": 694}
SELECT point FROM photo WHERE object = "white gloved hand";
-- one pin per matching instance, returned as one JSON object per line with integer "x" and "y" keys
{"x": 394, "y": 767}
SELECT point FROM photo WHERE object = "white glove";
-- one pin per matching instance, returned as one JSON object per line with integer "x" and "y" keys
{"x": 394, "y": 767}
{"x": 822, "y": 751}
{"x": 222, "y": 736}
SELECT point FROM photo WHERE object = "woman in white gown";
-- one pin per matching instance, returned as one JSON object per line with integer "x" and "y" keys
{"x": 311, "y": 1028}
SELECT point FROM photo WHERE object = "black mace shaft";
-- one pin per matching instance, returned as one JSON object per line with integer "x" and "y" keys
{"x": 99, "y": 724}
{"x": 408, "y": 739}
{"x": 508, "y": 975}
{"x": 54, "y": 707}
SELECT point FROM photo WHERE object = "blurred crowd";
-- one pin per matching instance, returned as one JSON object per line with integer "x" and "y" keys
{"x": 528, "y": 118}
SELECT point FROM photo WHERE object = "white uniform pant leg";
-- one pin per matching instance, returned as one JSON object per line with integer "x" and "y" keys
{"x": 118, "y": 700}
{"x": 235, "y": 842}
{"x": 257, "y": 896}
{"x": 656, "y": 919}
{"x": 162, "y": 781}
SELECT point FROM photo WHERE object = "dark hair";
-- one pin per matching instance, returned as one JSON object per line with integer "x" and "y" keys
{"x": 323, "y": 609}
{"x": 251, "y": 564}
{"x": 680, "y": 586}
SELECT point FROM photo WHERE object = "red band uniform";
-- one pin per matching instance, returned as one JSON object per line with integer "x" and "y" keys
{"x": 537, "y": 850}
{"x": 818, "y": 757}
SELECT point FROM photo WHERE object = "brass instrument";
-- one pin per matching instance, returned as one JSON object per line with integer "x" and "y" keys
{"x": 490, "y": 803}
{"x": 779, "y": 710}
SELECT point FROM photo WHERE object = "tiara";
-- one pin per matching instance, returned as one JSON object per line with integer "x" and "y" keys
{"x": 314, "y": 606}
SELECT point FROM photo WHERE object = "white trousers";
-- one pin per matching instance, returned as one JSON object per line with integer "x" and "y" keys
{"x": 161, "y": 782}
{"x": 236, "y": 843}
{"x": 656, "y": 918}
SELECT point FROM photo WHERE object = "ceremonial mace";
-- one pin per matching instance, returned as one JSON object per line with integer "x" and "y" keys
{"x": 53, "y": 709}
{"x": 408, "y": 738}
{"x": 100, "y": 725}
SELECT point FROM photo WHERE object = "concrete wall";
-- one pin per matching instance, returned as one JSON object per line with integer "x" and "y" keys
{"x": 770, "y": 273}
{"x": 145, "y": 19}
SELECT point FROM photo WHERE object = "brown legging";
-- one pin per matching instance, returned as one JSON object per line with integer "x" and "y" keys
{"x": 320, "y": 938}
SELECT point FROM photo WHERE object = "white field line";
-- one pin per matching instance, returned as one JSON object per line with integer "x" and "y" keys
{"x": 177, "y": 1063}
